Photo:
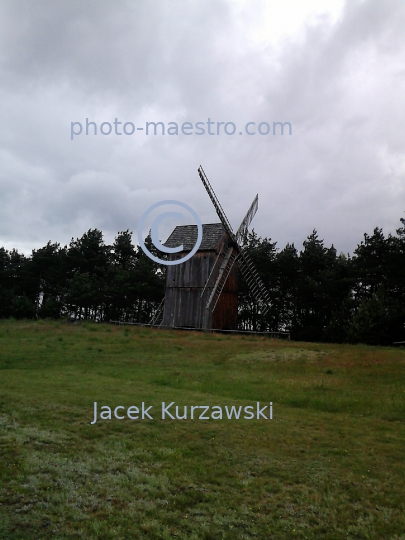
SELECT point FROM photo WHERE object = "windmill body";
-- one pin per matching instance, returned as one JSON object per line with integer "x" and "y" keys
{"x": 202, "y": 292}
{"x": 189, "y": 285}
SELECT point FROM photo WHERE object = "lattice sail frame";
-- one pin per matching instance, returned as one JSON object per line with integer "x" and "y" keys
{"x": 247, "y": 220}
{"x": 236, "y": 252}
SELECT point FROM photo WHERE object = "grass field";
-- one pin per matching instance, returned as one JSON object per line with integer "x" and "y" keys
{"x": 330, "y": 465}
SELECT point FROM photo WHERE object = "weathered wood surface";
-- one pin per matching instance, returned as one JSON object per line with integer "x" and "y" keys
{"x": 184, "y": 306}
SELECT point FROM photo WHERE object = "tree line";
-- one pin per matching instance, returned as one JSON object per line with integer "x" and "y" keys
{"x": 316, "y": 293}
{"x": 85, "y": 280}
{"x": 320, "y": 295}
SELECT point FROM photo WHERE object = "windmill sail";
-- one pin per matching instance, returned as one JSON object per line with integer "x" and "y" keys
{"x": 247, "y": 220}
{"x": 157, "y": 318}
{"x": 216, "y": 203}
{"x": 222, "y": 253}
{"x": 235, "y": 252}
{"x": 254, "y": 282}
{"x": 224, "y": 271}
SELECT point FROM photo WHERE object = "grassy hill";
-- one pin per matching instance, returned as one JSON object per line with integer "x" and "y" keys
{"x": 330, "y": 464}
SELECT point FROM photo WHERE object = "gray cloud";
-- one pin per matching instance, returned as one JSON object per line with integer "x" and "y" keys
{"x": 340, "y": 84}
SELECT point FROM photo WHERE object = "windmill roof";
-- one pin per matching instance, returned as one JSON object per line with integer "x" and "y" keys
{"x": 186, "y": 235}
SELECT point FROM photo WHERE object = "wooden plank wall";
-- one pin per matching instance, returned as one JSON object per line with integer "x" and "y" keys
{"x": 184, "y": 284}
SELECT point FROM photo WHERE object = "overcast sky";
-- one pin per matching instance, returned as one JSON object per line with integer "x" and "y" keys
{"x": 335, "y": 70}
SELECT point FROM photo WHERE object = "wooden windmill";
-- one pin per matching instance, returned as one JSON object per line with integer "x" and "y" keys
{"x": 202, "y": 292}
